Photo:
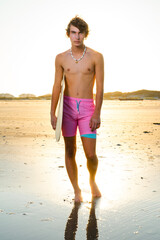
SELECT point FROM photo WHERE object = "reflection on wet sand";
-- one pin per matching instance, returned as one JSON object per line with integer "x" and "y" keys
{"x": 92, "y": 227}
{"x": 72, "y": 223}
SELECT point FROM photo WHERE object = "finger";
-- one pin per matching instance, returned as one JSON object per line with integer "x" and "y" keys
{"x": 53, "y": 123}
{"x": 53, "y": 126}
{"x": 98, "y": 125}
{"x": 90, "y": 123}
{"x": 93, "y": 126}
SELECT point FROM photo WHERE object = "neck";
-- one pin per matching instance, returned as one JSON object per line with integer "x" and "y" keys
{"x": 78, "y": 49}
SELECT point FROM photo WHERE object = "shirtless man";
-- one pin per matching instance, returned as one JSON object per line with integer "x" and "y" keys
{"x": 81, "y": 66}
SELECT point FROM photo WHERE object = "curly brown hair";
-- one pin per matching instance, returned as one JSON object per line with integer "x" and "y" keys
{"x": 80, "y": 24}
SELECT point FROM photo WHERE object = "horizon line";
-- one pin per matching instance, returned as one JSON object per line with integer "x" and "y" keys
{"x": 34, "y": 95}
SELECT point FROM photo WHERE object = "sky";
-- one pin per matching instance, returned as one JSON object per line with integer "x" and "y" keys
{"x": 126, "y": 32}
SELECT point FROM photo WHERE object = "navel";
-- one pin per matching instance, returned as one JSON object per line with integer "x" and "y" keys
{"x": 68, "y": 69}
{"x": 89, "y": 69}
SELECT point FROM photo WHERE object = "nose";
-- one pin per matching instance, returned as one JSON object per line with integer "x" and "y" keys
{"x": 77, "y": 36}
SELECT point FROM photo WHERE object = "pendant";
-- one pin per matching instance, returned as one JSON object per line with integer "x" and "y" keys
{"x": 76, "y": 61}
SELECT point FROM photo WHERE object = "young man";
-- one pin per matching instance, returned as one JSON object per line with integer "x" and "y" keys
{"x": 81, "y": 66}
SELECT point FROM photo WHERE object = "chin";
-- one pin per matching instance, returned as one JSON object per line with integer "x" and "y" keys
{"x": 78, "y": 44}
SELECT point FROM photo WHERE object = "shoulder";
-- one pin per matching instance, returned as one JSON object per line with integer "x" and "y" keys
{"x": 63, "y": 54}
{"x": 59, "y": 59}
{"x": 97, "y": 56}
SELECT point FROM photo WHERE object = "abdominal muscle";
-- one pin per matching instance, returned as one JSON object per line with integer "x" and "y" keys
{"x": 79, "y": 87}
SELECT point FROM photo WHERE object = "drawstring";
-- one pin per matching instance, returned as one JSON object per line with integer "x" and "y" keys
{"x": 78, "y": 105}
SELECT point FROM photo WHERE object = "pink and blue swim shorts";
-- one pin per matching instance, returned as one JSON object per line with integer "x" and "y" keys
{"x": 77, "y": 112}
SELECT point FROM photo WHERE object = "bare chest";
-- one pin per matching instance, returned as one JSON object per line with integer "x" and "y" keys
{"x": 84, "y": 66}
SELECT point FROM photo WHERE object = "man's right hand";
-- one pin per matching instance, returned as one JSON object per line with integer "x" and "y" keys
{"x": 53, "y": 121}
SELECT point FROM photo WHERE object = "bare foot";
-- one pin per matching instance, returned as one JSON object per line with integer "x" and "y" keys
{"x": 78, "y": 197}
{"x": 95, "y": 190}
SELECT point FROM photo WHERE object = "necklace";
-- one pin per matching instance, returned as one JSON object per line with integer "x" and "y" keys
{"x": 79, "y": 59}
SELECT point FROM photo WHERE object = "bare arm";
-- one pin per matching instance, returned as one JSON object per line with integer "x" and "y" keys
{"x": 56, "y": 89}
{"x": 99, "y": 70}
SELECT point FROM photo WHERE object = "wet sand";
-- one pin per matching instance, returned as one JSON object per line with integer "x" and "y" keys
{"x": 36, "y": 195}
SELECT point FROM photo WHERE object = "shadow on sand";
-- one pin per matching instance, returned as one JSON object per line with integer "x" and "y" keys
{"x": 72, "y": 223}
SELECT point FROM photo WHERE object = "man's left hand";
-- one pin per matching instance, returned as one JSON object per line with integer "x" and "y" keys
{"x": 95, "y": 122}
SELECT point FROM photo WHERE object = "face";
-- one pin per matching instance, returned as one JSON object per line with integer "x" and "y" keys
{"x": 76, "y": 36}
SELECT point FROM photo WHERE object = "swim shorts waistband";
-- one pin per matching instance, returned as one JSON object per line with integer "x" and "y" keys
{"x": 79, "y": 99}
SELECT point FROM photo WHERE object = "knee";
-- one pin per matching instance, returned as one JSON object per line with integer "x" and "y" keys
{"x": 92, "y": 161}
{"x": 70, "y": 151}
{"x": 91, "y": 157}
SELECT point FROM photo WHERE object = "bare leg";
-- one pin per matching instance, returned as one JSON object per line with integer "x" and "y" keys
{"x": 89, "y": 145}
{"x": 71, "y": 166}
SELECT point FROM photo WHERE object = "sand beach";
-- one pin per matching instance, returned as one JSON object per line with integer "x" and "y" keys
{"x": 35, "y": 192}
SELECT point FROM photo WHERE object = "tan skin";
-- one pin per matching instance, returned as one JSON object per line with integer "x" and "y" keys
{"x": 79, "y": 81}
